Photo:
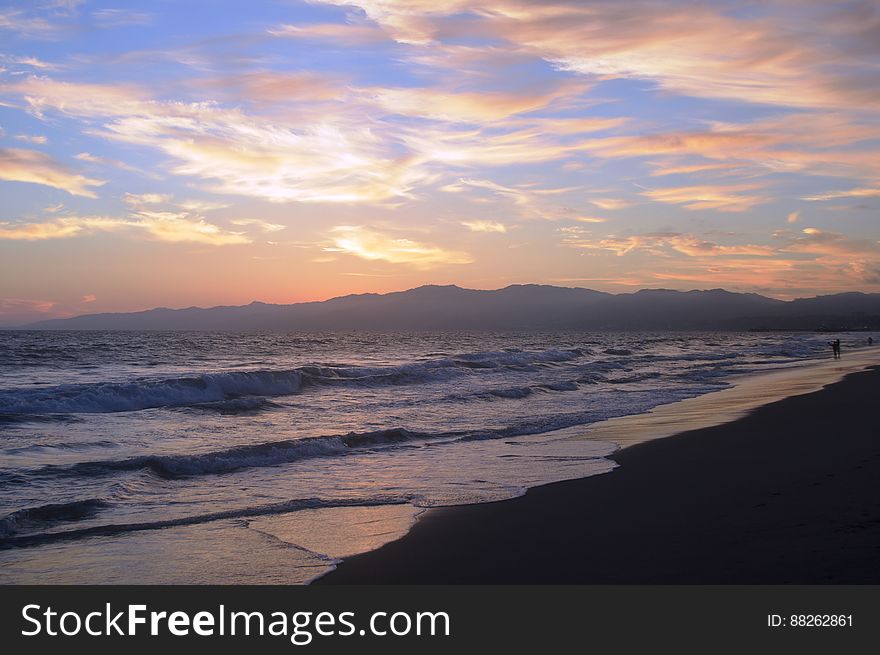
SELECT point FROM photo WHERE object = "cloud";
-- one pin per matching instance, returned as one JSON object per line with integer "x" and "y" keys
{"x": 372, "y": 245}
{"x": 833, "y": 246}
{"x": 30, "y": 138}
{"x": 142, "y": 199}
{"x": 350, "y": 34}
{"x": 162, "y": 226}
{"x": 89, "y": 297}
{"x": 341, "y": 152}
{"x": 104, "y": 161}
{"x": 335, "y": 158}
{"x": 58, "y": 228}
{"x": 806, "y": 143}
{"x": 16, "y": 20}
{"x": 851, "y": 193}
{"x": 113, "y": 18}
{"x": 661, "y": 242}
{"x": 809, "y": 260}
{"x": 793, "y": 217}
{"x": 666, "y": 168}
{"x": 19, "y": 165}
{"x": 485, "y": 226}
{"x": 775, "y": 59}
{"x": 530, "y": 200}
{"x": 610, "y": 203}
{"x": 473, "y": 107}
{"x": 181, "y": 227}
{"x": 265, "y": 226}
{"x": 30, "y": 62}
{"x": 16, "y": 306}
{"x": 722, "y": 198}
{"x": 273, "y": 88}
{"x": 201, "y": 205}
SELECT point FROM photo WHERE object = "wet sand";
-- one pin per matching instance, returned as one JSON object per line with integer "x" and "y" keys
{"x": 788, "y": 493}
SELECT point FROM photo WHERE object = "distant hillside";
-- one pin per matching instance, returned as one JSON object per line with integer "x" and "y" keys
{"x": 518, "y": 307}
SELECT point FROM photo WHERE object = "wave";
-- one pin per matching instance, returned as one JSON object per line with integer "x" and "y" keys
{"x": 12, "y": 418}
{"x": 145, "y": 394}
{"x": 239, "y": 457}
{"x": 45, "y": 515}
{"x": 516, "y": 393}
{"x": 211, "y": 390}
{"x": 233, "y": 406}
{"x": 59, "y": 445}
{"x": 275, "y": 453}
{"x": 11, "y": 540}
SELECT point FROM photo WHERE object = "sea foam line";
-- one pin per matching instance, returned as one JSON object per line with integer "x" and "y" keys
{"x": 246, "y": 512}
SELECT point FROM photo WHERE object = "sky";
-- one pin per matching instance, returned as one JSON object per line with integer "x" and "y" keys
{"x": 209, "y": 152}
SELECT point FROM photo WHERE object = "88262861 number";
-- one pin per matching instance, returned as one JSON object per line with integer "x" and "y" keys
{"x": 820, "y": 620}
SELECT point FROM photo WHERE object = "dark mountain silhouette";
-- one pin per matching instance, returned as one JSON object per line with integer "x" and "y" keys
{"x": 515, "y": 307}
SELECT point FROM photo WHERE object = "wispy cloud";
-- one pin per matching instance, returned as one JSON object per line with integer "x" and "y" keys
{"x": 19, "y": 165}
{"x": 730, "y": 198}
{"x": 37, "y": 139}
{"x": 264, "y": 226}
{"x": 163, "y": 226}
{"x": 864, "y": 192}
{"x": 658, "y": 242}
{"x": 371, "y": 244}
{"x": 110, "y": 18}
{"x": 675, "y": 45}
{"x": 104, "y": 161}
{"x": 473, "y": 107}
{"x": 485, "y": 226}
{"x": 144, "y": 199}
{"x": 530, "y": 200}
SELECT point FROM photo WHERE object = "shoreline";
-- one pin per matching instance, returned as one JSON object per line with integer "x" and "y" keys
{"x": 747, "y": 392}
{"x": 662, "y": 453}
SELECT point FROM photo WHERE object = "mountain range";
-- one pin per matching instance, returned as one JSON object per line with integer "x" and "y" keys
{"x": 517, "y": 307}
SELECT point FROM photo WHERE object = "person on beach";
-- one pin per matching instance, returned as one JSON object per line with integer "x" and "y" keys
{"x": 870, "y": 341}
{"x": 835, "y": 348}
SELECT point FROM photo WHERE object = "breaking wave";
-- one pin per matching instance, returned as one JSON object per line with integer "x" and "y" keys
{"x": 238, "y": 457}
{"x": 48, "y": 515}
{"x": 217, "y": 390}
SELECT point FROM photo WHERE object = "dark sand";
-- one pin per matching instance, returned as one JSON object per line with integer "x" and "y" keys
{"x": 788, "y": 494}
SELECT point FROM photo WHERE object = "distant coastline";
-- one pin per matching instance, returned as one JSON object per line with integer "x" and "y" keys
{"x": 517, "y": 307}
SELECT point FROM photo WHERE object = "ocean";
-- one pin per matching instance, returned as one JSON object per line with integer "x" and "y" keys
{"x": 185, "y": 457}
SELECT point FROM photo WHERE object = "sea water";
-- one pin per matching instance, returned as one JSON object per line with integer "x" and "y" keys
{"x": 190, "y": 457}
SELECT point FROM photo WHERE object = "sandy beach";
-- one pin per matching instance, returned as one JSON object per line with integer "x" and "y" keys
{"x": 782, "y": 493}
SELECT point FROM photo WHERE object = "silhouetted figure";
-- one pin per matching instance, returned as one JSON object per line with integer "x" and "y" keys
{"x": 870, "y": 341}
{"x": 835, "y": 348}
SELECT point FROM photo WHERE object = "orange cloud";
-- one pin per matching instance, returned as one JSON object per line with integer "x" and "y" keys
{"x": 19, "y": 165}
{"x": 659, "y": 242}
{"x": 476, "y": 106}
{"x": 676, "y": 45}
{"x": 722, "y": 198}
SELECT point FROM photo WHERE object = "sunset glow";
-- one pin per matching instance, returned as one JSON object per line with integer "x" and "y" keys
{"x": 203, "y": 153}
